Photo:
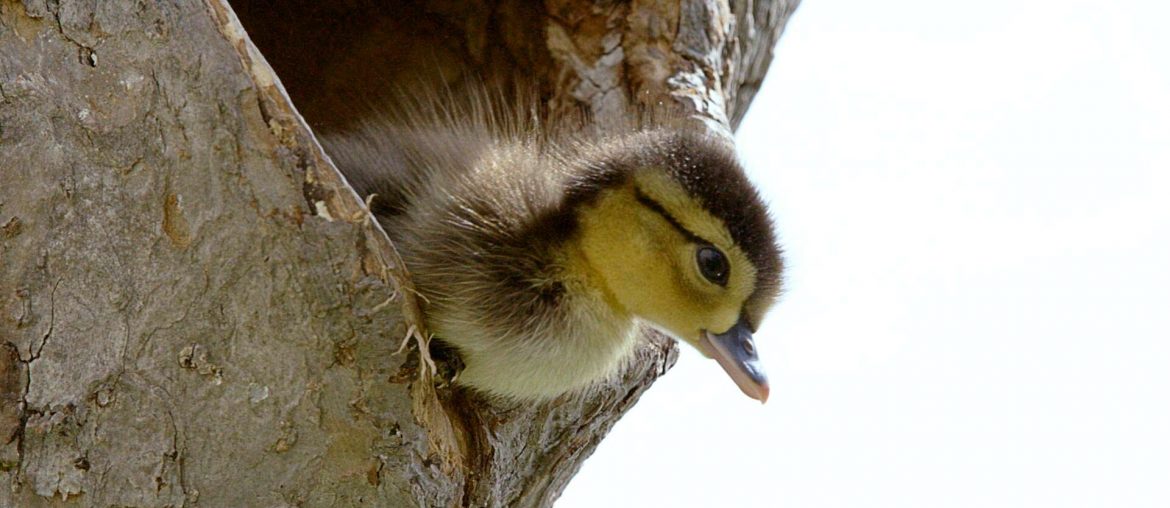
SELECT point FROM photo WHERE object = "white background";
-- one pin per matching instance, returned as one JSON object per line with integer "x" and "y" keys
{"x": 974, "y": 198}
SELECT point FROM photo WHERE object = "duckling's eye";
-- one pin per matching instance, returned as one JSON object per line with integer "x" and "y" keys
{"x": 713, "y": 264}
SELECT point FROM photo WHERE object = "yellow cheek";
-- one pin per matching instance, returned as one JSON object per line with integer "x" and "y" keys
{"x": 649, "y": 269}
{"x": 676, "y": 298}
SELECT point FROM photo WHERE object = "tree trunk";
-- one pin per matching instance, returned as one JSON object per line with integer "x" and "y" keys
{"x": 195, "y": 309}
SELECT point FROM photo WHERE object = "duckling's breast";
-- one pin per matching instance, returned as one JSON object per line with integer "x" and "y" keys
{"x": 586, "y": 342}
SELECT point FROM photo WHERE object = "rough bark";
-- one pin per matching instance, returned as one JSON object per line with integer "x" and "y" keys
{"x": 194, "y": 307}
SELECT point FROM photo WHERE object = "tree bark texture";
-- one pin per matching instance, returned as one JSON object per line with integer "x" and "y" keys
{"x": 196, "y": 310}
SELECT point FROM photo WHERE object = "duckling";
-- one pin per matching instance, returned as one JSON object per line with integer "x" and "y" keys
{"x": 540, "y": 246}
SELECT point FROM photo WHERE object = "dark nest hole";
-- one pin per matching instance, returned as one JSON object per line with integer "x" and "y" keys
{"x": 332, "y": 56}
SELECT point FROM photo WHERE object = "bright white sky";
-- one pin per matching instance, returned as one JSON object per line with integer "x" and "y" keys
{"x": 975, "y": 202}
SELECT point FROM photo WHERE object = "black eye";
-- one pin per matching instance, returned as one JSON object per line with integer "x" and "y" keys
{"x": 713, "y": 264}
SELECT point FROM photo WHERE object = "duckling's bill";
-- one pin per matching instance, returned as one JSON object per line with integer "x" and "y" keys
{"x": 736, "y": 353}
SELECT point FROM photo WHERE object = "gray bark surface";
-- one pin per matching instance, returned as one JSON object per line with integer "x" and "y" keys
{"x": 194, "y": 307}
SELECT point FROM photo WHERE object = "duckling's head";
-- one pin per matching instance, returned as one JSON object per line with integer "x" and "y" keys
{"x": 681, "y": 239}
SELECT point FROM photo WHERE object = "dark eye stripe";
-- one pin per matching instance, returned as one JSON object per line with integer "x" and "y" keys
{"x": 653, "y": 205}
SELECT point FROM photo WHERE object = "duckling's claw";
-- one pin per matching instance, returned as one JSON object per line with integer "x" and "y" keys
{"x": 449, "y": 375}
{"x": 450, "y": 364}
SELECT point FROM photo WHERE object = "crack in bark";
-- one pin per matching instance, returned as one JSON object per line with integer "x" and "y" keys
{"x": 48, "y": 332}
{"x": 54, "y": 9}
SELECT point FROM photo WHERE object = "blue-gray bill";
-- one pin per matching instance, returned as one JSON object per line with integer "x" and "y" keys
{"x": 736, "y": 353}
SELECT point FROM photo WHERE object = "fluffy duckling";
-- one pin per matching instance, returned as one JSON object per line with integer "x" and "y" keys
{"x": 539, "y": 247}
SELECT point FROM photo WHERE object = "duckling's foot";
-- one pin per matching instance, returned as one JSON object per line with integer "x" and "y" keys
{"x": 449, "y": 363}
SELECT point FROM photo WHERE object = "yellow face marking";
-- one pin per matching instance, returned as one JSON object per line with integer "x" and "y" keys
{"x": 663, "y": 190}
{"x": 649, "y": 267}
